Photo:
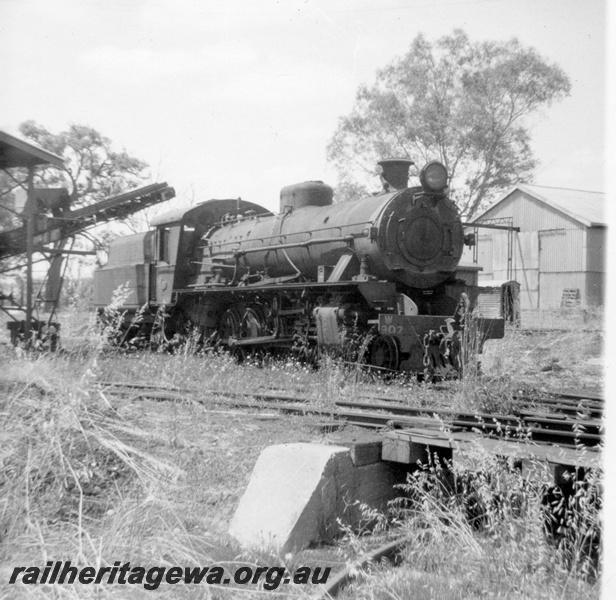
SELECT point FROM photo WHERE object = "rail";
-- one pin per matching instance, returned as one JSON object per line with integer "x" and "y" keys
{"x": 547, "y": 427}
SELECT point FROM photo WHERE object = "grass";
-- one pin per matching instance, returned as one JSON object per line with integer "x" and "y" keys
{"x": 484, "y": 536}
{"x": 93, "y": 477}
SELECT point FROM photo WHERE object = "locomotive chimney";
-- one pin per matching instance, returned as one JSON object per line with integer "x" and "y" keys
{"x": 395, "y": 173}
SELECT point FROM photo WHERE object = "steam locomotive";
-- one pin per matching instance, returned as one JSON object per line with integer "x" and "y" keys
{"x": 372, "y": 281}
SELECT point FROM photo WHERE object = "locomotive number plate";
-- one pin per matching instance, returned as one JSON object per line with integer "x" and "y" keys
{"x": 395, "y": 325}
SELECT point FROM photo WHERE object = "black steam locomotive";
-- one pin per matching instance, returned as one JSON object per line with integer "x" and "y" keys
{"x": 372, "y": 281}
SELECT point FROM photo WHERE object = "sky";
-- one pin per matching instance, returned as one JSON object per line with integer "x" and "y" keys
{"x": 241, "y": 97}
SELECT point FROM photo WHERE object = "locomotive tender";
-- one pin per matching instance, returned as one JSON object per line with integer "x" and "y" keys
{"x": 372, "y": 280}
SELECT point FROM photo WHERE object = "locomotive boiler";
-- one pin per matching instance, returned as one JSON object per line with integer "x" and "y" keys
{"x": 372, "y": 281}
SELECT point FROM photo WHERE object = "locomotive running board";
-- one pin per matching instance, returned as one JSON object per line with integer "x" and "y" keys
{"x": 242, "y": 289}
{"x": 259, "y": 341}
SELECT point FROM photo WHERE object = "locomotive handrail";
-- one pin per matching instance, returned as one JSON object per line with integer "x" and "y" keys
{"x": 346, "y": 239}
{"x": 213, "y": 264}
{"x": 272, "y": 237}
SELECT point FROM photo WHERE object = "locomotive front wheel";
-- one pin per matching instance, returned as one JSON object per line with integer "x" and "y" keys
{"x": 384, "y": 353}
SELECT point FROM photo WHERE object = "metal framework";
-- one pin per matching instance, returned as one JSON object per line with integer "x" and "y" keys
{"x": 48, "y": 226}
{"x": 502, "y": 223}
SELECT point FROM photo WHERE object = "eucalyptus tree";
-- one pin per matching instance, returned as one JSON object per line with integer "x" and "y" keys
{"x": 93, "y": 170}
{"x": 467, "y": 104}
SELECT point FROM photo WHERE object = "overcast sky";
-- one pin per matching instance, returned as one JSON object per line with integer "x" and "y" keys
{"x": 240, "y": 97}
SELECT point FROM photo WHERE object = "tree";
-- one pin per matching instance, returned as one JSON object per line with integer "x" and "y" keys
{"x": 93, "y": 170}
{"x": 7, "y": 201}
{"x": 465, "y": 104}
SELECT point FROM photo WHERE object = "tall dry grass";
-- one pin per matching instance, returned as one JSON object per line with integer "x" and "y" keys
{"x": 78, "y": 480}
{"x": 95, "y": 478}
{"x": 471, "y": 535}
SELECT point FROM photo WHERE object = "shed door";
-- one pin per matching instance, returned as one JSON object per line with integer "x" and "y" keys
{"x": 552, "y": 251}
{"x": 562, "y": 264}
{"x": 485, "y": 255}
{"x": 526, "y": 268}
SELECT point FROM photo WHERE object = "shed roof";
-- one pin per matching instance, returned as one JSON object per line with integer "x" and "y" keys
{"x": 17, "y": 153}
{"x": 588, "y": 208}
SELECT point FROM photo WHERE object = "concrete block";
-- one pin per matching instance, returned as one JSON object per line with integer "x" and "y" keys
{"x": 375, "y": 484}
{"x": 292, "y": 496}
{"x": 365, "y": 447}
{"x": 398, "y": 447}
{"x": 298, "y": 491}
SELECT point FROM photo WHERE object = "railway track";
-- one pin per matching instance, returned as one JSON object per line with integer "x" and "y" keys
{"x": 569, "y": 420}
{"x": 562, "y": 421}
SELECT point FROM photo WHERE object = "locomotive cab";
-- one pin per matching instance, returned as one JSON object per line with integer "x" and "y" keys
{"x": 128, "y": 266}
{"x": 167, "y": 239}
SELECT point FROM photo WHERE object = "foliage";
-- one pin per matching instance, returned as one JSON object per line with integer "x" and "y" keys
{"x": 93, "y": 171}
{"x": 8, "y": 216}
{"x": 7, "y": 201}
{"x": 94, "y": 475}
{"x": 490, "y": 531}
{"x": 464, "y": 103}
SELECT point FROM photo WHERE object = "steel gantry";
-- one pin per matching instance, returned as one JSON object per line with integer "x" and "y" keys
{"x": 47, "y": 224}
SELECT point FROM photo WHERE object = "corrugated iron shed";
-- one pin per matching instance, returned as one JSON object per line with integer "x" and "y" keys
{"x": 559, "y": 247}
{"x": 587, "y": 208}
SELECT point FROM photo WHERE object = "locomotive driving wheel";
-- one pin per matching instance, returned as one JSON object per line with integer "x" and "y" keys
{"x": 253, "y": 324}
{"x": 229, "y": 325}
{"x": 169, "y": 330}
{"x": 161, "y": 331}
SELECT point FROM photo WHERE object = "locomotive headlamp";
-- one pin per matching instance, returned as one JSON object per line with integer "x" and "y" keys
{"x": 433, "y": 177}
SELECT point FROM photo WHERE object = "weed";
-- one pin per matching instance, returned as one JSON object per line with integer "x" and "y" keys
{"x": 92, "y": 477}
{"x": 470, "y": 531}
